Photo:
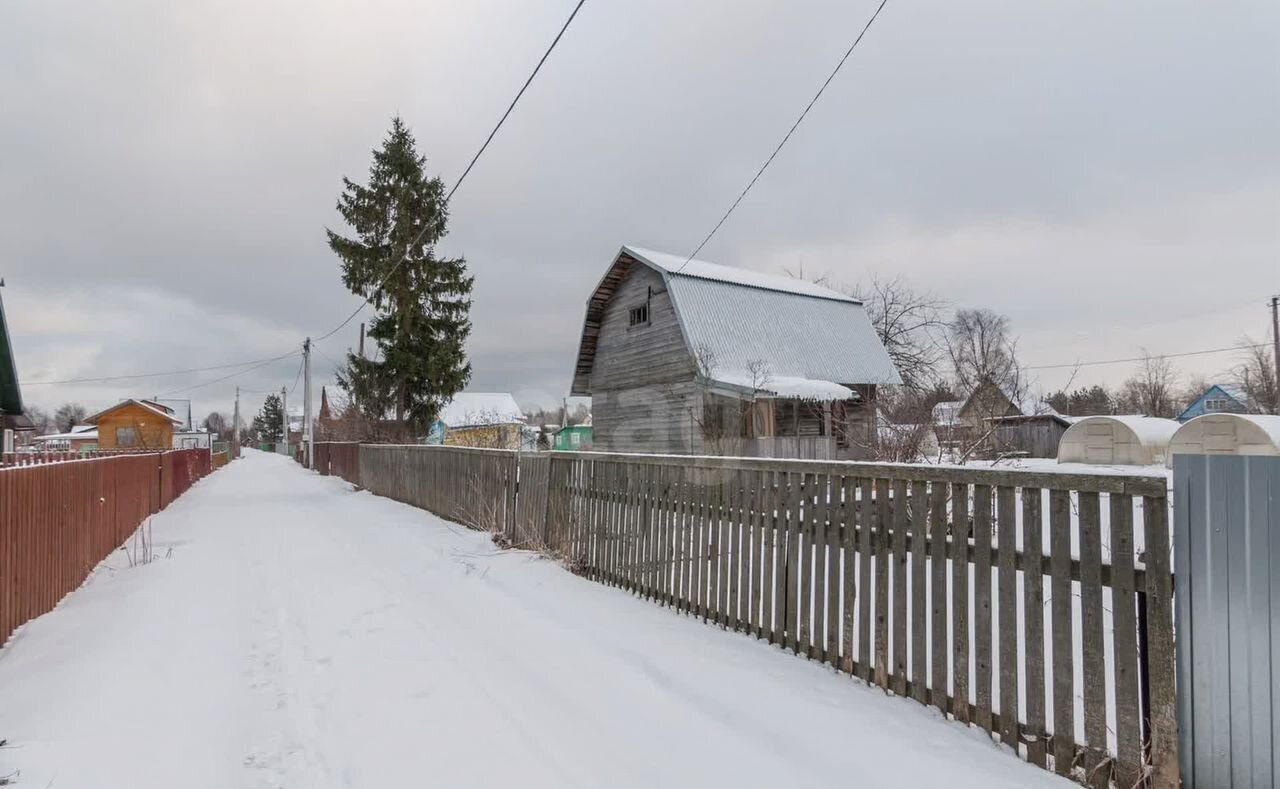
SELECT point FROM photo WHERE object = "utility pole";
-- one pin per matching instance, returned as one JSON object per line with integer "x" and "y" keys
{"x": 362, "y": 341}
{"x": 235, "y": 428}
{"x": 284, "y": 417}
{"x": 306, "y": 404}
{"x": 1275, "y": 344}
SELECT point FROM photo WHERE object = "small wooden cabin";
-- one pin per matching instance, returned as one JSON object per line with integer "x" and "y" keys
{"x": 491, "y": 420}
{"x": 135, "y": 424}
{"x": 690, "y": 357}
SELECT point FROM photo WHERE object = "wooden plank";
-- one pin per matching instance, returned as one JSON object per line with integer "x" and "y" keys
{"x": 1064, "y": 748}
{"x": 960, "y": 526}
{"x": 805, "y": 590}
{"x": 882, "y": 583}
{"x": 1033, "y": 609}
{"x": 775, "y": 577}
{"x": 755, "y": 504}
{"x": 1148, "y": 485}
{"x": 791, "y": 595}
{"x": 848, "y": 520}
{"x": 1007, "y": 536}
{"x": 702, "y": 537}
{"x": 900, "y": 521}
{"x": 718, "y": 574}
{"x": 1160, "y": 667}
{"x": 830, "y": 514}
{"x": 866, "y": 522}
{"x": 982, "y": 632}
{"x": 940, "y": 647}
{"x": 919, "y": 602}
{"x": 1095, "y": 690}
{"x": 1125, "y": 643}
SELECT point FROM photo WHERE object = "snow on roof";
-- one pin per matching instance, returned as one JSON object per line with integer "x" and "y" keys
{"x": 680, "y": 265}
{"x": 789, "y": 386}
{"x": 1235, "y": 392}
{"x": 733, "y": 329}
{"x": 473, "y": 409}
{"x": 158, "y": 410}
{"x": 78, "y": 433}
{"x": 1150, "y": 430}
{"x": 1267, "y": 425}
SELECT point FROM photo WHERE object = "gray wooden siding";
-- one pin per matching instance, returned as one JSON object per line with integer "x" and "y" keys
{"x": 630, "y": 357}
{"x": 652, "y": 418}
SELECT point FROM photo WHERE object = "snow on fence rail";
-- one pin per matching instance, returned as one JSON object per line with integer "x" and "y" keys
{"x": 1019, "y": 602}
{"x": 58, "y": 520}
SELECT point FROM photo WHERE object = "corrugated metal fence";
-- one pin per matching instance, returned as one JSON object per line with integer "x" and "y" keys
{"x": 1227, "y": 543}
{"x": 1037, "y": 607}
{"x": 58, "y": 520}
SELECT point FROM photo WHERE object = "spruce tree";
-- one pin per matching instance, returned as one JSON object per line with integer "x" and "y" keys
{"x": 422, "y": 320}
{"x": 267, "y": 424}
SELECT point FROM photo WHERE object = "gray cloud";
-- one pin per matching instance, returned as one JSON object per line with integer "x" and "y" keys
{"x": 1104, "y": 173}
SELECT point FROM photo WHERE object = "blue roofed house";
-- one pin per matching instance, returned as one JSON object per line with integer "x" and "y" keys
{"x": 690, "y": 357}
{"x": 1218, "y": 399}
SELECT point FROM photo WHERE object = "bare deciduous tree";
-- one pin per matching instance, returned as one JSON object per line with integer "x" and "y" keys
{"x": 1256, "y": 375}
{"x": 910, "y": 323}
{"x": 68, "y": 416}
{"x": 1152, "y": 390}
{"x": 981, "y": 347}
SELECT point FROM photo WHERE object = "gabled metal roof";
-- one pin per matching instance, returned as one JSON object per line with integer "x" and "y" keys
{"x": 740, "y": 319}
{"x": 11, "y": 410}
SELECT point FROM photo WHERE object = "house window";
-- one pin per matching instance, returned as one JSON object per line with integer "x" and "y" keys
{"x": 640, "y": 315}
{"x": 126, "y": 437}
{"x": 1215, "y": 404}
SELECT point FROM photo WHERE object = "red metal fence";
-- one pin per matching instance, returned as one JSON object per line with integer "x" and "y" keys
{"x": 58, "y": 520}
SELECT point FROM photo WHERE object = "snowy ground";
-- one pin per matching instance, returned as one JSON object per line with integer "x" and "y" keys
{"x": 303, "y": 635}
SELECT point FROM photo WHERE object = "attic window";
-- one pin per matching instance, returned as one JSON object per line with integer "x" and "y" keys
{"x": 640, "y": 315}
{"x": 1215, "y": 404}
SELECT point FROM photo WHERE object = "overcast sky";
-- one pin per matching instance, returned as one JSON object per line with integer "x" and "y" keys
{"x": 1107, "y": 174}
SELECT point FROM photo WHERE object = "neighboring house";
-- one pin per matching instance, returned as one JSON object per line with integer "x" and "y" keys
{"x": 192, "y": 439}
{"x": 994, "y": 422}
{"x": 1218, "y": 399}
{"x": 1030, "y": 435}
{"x": 81, "y": 438}
{"x": 135, "y": 424}
{"x": 573, "y": 438}
{"x": 685, "y": 356}
{"x": 12, "y": 415}
{"x": 479, "y": 419}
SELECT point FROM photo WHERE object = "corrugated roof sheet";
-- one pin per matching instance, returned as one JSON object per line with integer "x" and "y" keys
{"x": 793, "y": 333}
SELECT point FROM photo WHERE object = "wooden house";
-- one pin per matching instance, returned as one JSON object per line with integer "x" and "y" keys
{"x": 12, "y": 415}
{"x": 135, "y": 424}
{"x": 686, "y": 356}
{"x": 479, "y": 419}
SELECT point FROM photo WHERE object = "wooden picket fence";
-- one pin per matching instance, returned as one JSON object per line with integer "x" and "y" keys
{"x": 59, "y": 519}
{"x": 1035, "y": 606}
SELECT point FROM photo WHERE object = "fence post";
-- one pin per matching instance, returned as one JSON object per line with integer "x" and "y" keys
{"x": 1160, "y": 656}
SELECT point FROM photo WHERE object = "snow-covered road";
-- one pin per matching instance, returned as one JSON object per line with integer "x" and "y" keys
{"x": 295, "y": 633}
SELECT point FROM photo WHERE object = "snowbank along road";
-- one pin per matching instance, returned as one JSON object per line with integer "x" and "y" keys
{"x": 296, "y": 633}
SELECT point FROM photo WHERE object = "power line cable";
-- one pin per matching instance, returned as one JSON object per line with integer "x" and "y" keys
{"x": 1141, "y": 358}
{"x": 787, "y": 137}
{"x": 227, "y": 377}
{"x": 369, "y": 299}
{"x": 298, "y": 376}
{"x": 137, "y": 376}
